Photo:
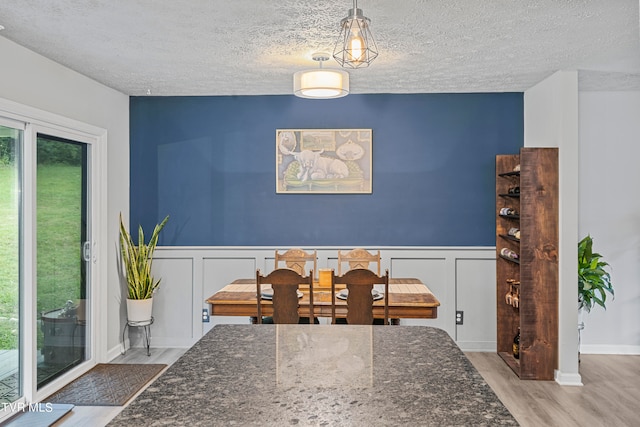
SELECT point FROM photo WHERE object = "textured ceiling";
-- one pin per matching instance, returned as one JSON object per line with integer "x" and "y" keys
{"x": 251, "y": 47}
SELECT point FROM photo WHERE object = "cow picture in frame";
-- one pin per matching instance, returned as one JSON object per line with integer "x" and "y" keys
{"x": 323, "y": 161}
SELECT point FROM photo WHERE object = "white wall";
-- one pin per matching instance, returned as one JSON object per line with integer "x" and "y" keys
{"x": 31, "y": 80}
{"x": 551, "y": 120}
{"x": 609, "y": 210}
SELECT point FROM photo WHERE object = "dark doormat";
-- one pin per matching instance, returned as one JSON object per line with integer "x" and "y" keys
{"x": 107, "y": 384}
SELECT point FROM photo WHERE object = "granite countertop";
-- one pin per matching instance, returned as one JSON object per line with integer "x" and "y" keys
{"x": 338, "y": 375}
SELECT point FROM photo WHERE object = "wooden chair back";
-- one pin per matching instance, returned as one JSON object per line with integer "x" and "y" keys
{"x": 296, "y": 259}
{"x": 358, "y": 258}
{"x": 285, "y": 283}
{"x": 359, "y": 283}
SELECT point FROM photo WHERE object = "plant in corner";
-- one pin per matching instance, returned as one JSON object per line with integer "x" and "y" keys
{"x": 593, "y": 280}
{"x": 136, "y": 262}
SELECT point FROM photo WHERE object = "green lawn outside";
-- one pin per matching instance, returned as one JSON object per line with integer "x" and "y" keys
{"x": 9, "y": 257}
{"x": 59, "y": 246}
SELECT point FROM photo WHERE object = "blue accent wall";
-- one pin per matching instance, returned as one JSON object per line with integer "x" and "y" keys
{"x": 209, "y": 163}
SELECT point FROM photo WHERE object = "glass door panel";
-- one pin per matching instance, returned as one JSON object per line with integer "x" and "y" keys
{"x": 62, "y": 254}
{"x": 10, "y": 325}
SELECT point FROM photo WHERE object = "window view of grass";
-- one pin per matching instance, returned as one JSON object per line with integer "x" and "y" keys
{"x": 59, "y": 200}
{"x": 59, "y": 240}
{"x": 9, "y": 270}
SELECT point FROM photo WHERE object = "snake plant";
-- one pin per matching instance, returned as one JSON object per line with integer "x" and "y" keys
{"x": 593, "y": 280}
{"x": 137, "y": 260}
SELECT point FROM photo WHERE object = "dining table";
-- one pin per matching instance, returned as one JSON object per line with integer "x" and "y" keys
{"x": 408, "y": 298}
{"x": 319, "y": 375}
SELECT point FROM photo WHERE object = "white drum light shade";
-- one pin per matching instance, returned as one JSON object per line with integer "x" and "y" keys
{"x": 321, "y": 83}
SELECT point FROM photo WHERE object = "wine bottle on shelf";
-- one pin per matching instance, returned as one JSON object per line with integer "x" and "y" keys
{"x": 508, "y": 253}
{"x": 514, "y": 232}
{"x": 508, "y": 211}
{"x": 516, "y": 345}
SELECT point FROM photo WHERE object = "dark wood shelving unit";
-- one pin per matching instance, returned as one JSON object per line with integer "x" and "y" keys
{"x": 537, "y": 266}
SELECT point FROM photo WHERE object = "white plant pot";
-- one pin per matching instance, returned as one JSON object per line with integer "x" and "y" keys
{"x": 139, "y": 310}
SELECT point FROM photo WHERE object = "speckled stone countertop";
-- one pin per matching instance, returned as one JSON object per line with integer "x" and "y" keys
{"x": 320, "y": 375}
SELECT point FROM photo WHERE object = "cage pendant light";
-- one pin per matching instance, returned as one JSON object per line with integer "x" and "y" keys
{"x": 355, "y": 47}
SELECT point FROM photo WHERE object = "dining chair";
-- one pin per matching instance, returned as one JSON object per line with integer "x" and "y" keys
{"x": 285, "y": 284}
{"x": 358, "y": 258}
{"x": 359, "y": 284}
{"x": 296, "y": 259}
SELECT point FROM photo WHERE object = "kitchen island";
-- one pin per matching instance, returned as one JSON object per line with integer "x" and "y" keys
{"x": 275, "y": 375}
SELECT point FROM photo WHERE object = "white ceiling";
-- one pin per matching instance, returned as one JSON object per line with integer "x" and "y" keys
{"x": 252, "y": 47}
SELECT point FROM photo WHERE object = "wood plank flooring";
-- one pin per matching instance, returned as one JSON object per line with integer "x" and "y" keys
{"x": 610, "y": 395}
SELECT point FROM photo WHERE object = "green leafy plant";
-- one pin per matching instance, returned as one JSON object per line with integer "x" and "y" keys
{"x": 137, "y": 260}
{"x": 593, "y": 280}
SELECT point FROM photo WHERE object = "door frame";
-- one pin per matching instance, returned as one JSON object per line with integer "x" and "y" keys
{"x": 39, "y": 121}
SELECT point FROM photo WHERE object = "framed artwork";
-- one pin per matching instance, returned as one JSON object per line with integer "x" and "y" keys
{"x": 325, "y": 161}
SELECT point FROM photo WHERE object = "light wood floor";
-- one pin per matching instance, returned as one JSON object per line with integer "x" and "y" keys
{"x": 610, "y": 395}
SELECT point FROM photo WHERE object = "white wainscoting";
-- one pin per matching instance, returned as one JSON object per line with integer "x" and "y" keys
{"x": 462, "y": 278}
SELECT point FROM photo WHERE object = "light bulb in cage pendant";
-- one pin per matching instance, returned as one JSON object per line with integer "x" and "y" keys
{"x": 355, "y": 47}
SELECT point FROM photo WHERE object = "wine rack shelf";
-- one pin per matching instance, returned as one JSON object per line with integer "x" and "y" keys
{"x": 537, "y": 265}
{"x": 515, "y": 261}
{"x": 509, "y": 237}
{"x": 516, "y": 217}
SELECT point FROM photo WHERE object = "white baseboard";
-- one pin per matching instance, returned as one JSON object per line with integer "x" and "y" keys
{"x": 567, "y": 379}
{"x": 115, "y": 351}
{"x": 609, "y": 349}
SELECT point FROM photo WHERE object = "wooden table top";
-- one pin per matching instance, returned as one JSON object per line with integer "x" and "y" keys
{"x": 408, "y": 298}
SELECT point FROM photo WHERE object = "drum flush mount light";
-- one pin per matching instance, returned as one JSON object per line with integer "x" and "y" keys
{"x": 355, "y": 47}
{"x": 321, "y": 83}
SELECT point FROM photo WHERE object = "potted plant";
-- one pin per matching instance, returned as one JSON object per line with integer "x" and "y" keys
{"x": 593, "y": 280}
{"x": 136, "y": 262}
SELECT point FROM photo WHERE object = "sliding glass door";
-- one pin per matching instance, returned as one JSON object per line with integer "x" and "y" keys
{"x": 10, "y": 277}
{"x": 51, "y": 236}
{"x": 53, "y": 171}
{"x": 63, "y": 255}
